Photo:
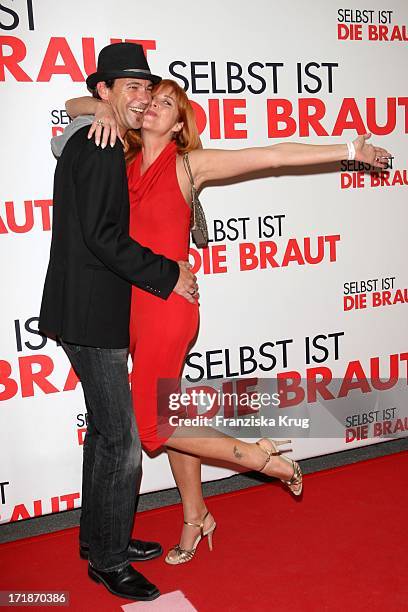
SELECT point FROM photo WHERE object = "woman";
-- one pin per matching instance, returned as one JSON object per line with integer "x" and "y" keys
{"x": 162, "y": 331}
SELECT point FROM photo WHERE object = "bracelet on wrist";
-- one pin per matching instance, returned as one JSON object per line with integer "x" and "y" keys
{"x": 351, "y": 150}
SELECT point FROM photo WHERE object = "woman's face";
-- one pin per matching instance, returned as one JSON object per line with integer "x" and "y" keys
{"x": 162, "y": 114}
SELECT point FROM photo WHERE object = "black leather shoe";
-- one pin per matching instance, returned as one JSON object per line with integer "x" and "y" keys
{"x": 137, "y": 550}
{"x": 125, "y": 582}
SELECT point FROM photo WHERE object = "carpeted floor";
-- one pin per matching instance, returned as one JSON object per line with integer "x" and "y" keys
{"x": 342, "y": 546}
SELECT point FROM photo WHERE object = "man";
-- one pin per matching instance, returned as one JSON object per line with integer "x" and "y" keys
{"x": 86, "y": 303}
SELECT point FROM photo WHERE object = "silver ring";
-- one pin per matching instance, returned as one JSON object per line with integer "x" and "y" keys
{"x": 99, "y": 122}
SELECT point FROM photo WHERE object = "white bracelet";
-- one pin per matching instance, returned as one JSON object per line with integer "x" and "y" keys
{"x": 351, "y": 150}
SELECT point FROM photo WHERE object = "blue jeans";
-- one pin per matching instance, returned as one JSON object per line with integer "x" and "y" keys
{"x": 112, "y": 454}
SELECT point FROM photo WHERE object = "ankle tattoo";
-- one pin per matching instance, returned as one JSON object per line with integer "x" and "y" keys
{"x": 237, "y": 454}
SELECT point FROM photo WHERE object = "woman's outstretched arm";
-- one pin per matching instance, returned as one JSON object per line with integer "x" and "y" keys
{"x": 213, "y": 164}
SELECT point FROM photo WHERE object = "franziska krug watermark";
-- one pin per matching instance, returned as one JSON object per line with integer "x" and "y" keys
{"x": 276, "y": 408}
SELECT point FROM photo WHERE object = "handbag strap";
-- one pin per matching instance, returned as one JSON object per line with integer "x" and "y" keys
{"x": 187, "y": 167}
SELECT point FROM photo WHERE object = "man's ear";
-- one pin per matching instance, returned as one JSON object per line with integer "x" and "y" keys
{"x": 102, "y": 90}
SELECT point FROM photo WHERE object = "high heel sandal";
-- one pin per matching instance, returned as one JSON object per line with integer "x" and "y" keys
{"x": 295, "y": 484}
{"x": 182, "y": 555}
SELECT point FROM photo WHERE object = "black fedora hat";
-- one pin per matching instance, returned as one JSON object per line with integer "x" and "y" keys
{"x": 121, "y": 60}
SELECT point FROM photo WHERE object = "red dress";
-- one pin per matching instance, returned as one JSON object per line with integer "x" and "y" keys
{"x": 160, "y": 330}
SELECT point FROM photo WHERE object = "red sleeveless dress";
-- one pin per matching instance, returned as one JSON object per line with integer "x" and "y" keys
{"x": 161, "y": 331}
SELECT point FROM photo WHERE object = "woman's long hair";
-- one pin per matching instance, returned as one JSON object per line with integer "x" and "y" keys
{"x": 187, "y": 139}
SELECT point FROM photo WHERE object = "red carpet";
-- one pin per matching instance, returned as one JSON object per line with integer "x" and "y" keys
{"x": 342, "y": 547}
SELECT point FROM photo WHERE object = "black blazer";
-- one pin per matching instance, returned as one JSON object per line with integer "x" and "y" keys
{"x": 93, "y": 261}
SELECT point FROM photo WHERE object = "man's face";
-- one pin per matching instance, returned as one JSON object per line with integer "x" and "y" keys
{"x": 129, "y": 99}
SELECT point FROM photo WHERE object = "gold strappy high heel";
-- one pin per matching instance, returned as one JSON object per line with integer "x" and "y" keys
{"x": 295, "y": 484}
{"x": 181, "y": 555}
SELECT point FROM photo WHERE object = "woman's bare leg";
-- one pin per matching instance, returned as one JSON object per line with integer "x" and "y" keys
{"x": 207, "y": 442}
{"x": 186, "y": 470}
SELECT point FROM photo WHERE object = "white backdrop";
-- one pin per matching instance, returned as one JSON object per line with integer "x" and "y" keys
{"x": 294, "y": 60}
